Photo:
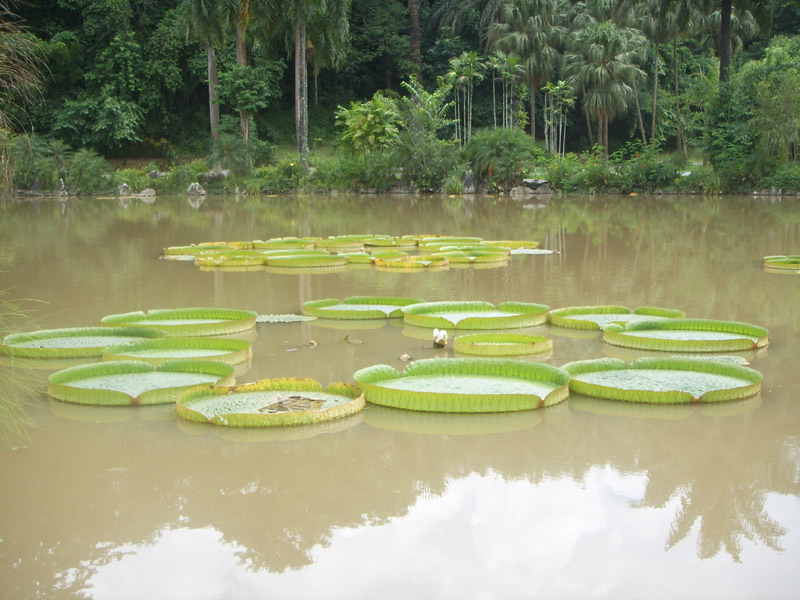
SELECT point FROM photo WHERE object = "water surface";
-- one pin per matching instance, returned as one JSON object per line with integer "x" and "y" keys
{"x": 580, "y": 500}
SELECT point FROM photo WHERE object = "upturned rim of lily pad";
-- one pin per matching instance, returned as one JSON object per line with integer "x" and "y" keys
{"x": 578, "y": 368}
{"x": 502, "y": 344}
{"x": 371, "y": 380}
{"x": 619, "y": 335}
{"x": 225, "y": 320}
{"x": 279, "y": 419}
{"x": 565, "y": 317}
{"x": 230, "y": 351}
{"x": 790, "y": 262}
{"x": 520, "y": 314}
{"x": 325, "y": 308}
{"x": 60, "y": 384}
{"x": 9, "y": 348}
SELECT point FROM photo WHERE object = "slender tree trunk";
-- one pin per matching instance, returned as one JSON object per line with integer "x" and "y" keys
{"x": 600, "y": 130}
{"x": 388, "y": 71}
{"x": 655, "y": 97}
{"x": 533, "y": 112}
{"x": 414, "y": 35}
{"x": 588, "y": 127}
{"x": 213, "y": 94}
{"x": 678, "y": 125}
{"x": 725, "y": 40}
{"x": 639, "y": 114}
{"x": 494, "y": 100}
{"x": 301, "y": 89}
{"x": 241, "y": 58}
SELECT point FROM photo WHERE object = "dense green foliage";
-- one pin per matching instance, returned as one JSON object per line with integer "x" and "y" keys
{"x": 405, "y": 106}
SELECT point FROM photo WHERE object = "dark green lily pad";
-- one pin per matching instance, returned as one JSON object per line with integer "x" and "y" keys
{"x": 187, "y": 321}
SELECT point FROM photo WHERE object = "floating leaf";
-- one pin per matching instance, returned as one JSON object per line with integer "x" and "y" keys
{"x": 687, "y": 335}
{"x": 662, "y": 380}
{"x": 283, "y": 318}
{"x": 270, "y": 403}
{"x": 76, "y": 342}
{"x": 134, "y": 382}
{"x": 597, "y": 317}
{"x": 502, "y": 344}
{"x": 157, "y": 351}
{"x": 465, "y": 385}
{"x": 475, "y": 315}
{"x": 359, "y": 307}
{"x": 187, "y": 321}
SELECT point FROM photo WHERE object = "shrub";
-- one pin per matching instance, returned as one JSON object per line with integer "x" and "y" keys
{"x": 501, "y": 157}
{"x": 638, "y": 167}
{"x": 89, "y": 173}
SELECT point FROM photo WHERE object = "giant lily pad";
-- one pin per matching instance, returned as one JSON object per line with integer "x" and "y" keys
{"x": 502, "y": 344}
{"x": 687, "y": 335}
{"x": 270, "y": 403}
{"x": 118, "y": 383}
{"x": 475, "y": 315}
{"x": 597, "y": 317}
{"x": 465, "y": 385}
{"x": 358, "y": 307}
{"x": 663, "y": 381}
{"x": 307, "y": 261}
{"x": 187, "y": 321}
{"x": 157, "y": 351}
{"x": 783, "y": 263}
{"x": 421, "y": 261}
{"x": 75, "y": 342}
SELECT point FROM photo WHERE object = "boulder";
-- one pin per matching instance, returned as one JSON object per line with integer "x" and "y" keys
{"x": 469, "y": 182}
{"x": 123, "y": 190}
{"x": 195, "y": 189}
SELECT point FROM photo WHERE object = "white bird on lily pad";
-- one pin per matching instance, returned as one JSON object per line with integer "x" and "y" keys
{"x": 439, "y": 338}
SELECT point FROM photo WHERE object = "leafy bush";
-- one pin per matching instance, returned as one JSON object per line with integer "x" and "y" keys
{"x": 285, "y": 176}
{"x": 137, "y": 179}
{"x": 638, "y": 167}
{"x": 501, "y": 157}
{"x": 39, "y": 162}
{"x": 369, "y": 126}
{"x": 89, "y": 173}
{"x": 182, "y": 176}
{"x": 785, "y": 177}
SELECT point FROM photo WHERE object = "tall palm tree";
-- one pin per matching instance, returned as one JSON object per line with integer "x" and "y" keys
{"x": 465, "y": 71}
{"x": 602, "y": 65}
{"x": 320, "y": 24}
{"x": 760, "y": 9}
{"x": 531, "y": 30}
{"x": 203, "y": 21}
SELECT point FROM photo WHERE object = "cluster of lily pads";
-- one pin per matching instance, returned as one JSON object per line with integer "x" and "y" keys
{"x": 164, "y": 356}
{"x": 407, "y": 252}
{"x": 160, "y": 356}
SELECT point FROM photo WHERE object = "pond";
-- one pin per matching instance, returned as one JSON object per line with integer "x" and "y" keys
{"x": 588, "y": 498}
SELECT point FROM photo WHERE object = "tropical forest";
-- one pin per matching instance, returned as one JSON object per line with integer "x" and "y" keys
{"x": 272, "y": 96}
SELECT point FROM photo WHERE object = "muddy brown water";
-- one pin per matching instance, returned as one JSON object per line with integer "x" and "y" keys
{"x": 584, "y": 499}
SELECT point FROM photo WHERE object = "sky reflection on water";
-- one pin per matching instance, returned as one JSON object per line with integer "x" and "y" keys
{"x": 483, "y": 537}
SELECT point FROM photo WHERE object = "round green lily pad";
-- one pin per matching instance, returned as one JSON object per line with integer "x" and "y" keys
{"x": 358, "y": 307}
{"x": 157, "y": 351}
{"x": 687, "y": 335}
{"x": 187, "y": 321}
{"x": 75, "y": 342}
{"x": 597, "y": 317}
{"x": 787, "y": 263}
{"x": 119, "y": 383}
{"x": 475, "y": 315}
{"x": 270, "y": 403}
{"x": 465, "y": 385}
{"x": 308, "y": 261}
{"x": 662, "y": 381}
{"x": 422, "y": 261}
{"x": 502, "y": 344}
